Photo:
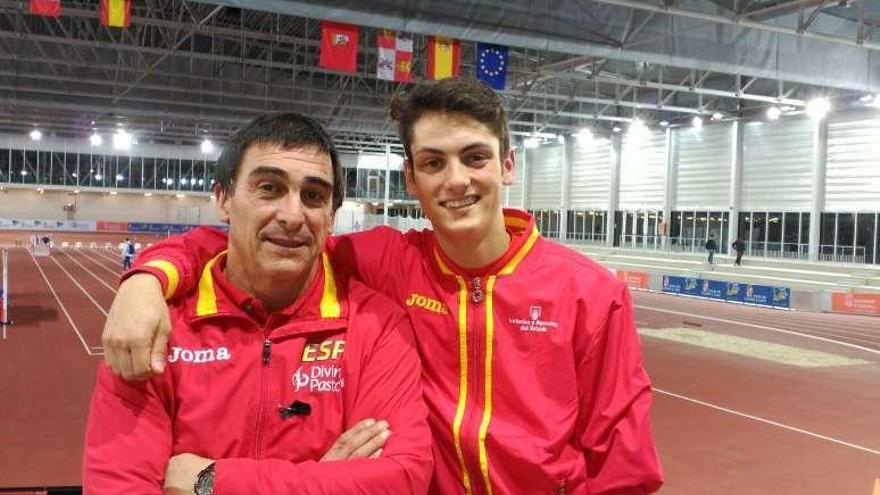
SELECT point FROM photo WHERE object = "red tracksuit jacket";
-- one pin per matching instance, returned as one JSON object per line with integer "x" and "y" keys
{"x": 341, "y": 352}
{"x": 532, "y": 366}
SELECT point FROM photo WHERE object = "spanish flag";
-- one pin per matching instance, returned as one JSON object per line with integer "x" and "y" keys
{"x": 444, "y": 57}
{"x": 116, "y": 13}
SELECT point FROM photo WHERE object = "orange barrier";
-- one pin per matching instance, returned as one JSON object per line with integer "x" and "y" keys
{"x": 866, "y": 304}
{"x": 636, "y": 280}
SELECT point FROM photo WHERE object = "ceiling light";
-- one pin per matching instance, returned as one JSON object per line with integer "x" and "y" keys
{"x": 76, "y": 191}
{"x": 616, "y": 128}
{"x": 773, "y": 113}
{"x": 36, "y": 135}
{"x": 96, "y": 139}
{"x": 717, "y": 116}
{"x": 122, "y": 140}
{"x": 23, "y": 172}
{"x": 201, "y": 182}
{"x": 207, "y": 146}
{"x": 818, "y": 108}
{"x": 664, "y": 123}
{"x": 148, "y": 194}
{"x": 120, "y": 177}
{"x": 868, "y": 98}
{"x": 180, "y": 195}
{"x": 113, "y": 193}
{"x": 697, "y": 121}
{"x": 531, "y": 142}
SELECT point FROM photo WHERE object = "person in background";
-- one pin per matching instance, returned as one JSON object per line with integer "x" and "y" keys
{"x": 711, "y": 247}
{"x": 532, "y": 365}
{"x": 127, "y": 253}
{"x": 740, "y": 248}
{"x": 275, "y": 356}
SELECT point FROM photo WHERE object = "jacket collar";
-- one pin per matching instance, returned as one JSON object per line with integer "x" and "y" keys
{"x": 523, "y": 233}
{"x": 324, "y": 299}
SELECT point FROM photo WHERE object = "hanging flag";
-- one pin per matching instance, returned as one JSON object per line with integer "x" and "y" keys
{"x": 47, "y": 8}
{"x": 339, "y": 46}
{"x": 395, "y": 56}
{"x": 444, "y": 57}
{"x": 492, "y": 64}
{"x": 116, "y": 13}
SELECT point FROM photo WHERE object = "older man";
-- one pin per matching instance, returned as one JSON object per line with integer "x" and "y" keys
{"x": 274, "y": 356}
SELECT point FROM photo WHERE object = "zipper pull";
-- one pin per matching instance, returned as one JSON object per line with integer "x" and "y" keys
{"x": 562, "y": 487}
{"x": 266, "y": 351}
{"x": 477, "y": 295}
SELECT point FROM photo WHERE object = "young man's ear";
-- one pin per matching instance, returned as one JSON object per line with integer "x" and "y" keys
{"x": 508, "y": 167}
{"x": 222, "y": 199}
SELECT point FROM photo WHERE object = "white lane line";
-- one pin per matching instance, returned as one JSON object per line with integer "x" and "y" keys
{"x": 99, "y": 262}
{"x": 770, "y": 422}
{"x": 84, "y": 291}
{"x": 761, "y": 327}
{"x": 116, "y": 262}
{"x": 99, "y": 279}
{"x": 61, "y": 305}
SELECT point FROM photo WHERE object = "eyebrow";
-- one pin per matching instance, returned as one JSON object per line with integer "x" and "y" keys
{"x": 277, "y": 172}
{"x": 467, "y": 148}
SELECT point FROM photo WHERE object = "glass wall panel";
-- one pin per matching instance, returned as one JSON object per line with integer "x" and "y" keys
{"x": 845, "y": 235}
{"x": 791, "y": 224}
{"x": 774, "y": 234}
{"x": 826, "y": 237}
{"x": 805, "y": 230}
{"x": 865, "y": 237}
{"x": 759, "y": 233}
{"x": 4, "y": 165}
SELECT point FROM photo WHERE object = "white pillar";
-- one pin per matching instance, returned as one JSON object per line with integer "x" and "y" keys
{"x": 387, "y": 184}
{"x": 565, "y": 189}
{"x": 614, "y": 187}
{"x": 669, "y": 198}
{"x": 817, "y": 192}
{"x": 736, "y": 165}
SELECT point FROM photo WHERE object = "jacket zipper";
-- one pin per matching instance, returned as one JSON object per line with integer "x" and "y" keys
{"x": 266, "y": 356}
{"x": 477, "y": 297}
{"x": 562, "y": 487}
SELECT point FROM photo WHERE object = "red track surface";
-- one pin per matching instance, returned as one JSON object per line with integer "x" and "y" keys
{"x": 725, "y": 424}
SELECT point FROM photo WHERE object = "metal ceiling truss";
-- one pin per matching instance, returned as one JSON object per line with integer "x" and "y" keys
{"x": 185, "y": 70}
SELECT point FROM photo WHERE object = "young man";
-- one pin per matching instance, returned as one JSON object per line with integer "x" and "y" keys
{"x": 740, "y": 248}
{"x": 531, "y": 361}
{"x": 274, "y": 356}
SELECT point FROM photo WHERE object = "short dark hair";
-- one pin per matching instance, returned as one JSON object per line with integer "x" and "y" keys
{"x": 466, "y": 96}
{"x": 287, "y": 130}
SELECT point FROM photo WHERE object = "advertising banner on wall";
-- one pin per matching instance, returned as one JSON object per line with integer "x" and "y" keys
{"x": 758, "y": 294}
{"x": 713, "y": 289}
{"x": 781, "y": 297}
{"x": 112, "y": 226}
{"x": 861, "y": 303}
{"x": 159, "y": 228}
{"x": 673, "y": 284}
{"x": 636, "y": 280}
{"x": 25, "y": 224}
{"x": 762, "y": 295}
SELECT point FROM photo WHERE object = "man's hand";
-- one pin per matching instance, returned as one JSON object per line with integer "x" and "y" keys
{"x": 137, "y": 327}
{"x": 182, "y": 472}
{"x": 364, "y": 439}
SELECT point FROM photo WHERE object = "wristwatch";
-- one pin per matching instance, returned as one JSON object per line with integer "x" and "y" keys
{"x": 205, "y": 481}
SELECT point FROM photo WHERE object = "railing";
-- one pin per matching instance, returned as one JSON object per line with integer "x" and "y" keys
{"x": 842, "y": 254}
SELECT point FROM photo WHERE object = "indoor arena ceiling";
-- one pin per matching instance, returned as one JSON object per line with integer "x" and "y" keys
{"x": 187, "y": 70}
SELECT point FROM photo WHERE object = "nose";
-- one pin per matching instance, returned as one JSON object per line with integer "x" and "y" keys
{"x": 458, "y": 176}
{"x": 289, "y": 211}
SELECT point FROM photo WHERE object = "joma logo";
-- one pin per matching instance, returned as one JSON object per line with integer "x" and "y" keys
{"x": 199, "y": 355}
{"x": 421, "y": 301}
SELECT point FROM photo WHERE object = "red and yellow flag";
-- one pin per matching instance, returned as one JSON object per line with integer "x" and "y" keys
{"x": 444, "y": 57}
{"x": 47, "y": 8}
{"x": 116, "y": 13}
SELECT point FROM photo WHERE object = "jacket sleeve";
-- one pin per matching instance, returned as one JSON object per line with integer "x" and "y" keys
{"x": 614, "y": 424}
{"x": 375, "y": 257}
{"x": 390, "y": 388}
{"x": 177, "y": 261}
{"x": 128, "y": 438}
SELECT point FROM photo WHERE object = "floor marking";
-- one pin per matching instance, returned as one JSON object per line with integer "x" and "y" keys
{"x": 99, "y": 263}
{"x": 751, "y": 348}
{"x": 99, "y": 279}
{"x": 770, "y": 422}
{"x": 80, "y": 287}
{"x": 762, "y": 327}
{"x": 63, "y": 308}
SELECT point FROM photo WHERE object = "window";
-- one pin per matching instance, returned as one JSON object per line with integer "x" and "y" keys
{"x": 866, "y": 237}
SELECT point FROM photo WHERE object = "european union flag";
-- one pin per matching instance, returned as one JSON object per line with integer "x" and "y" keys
{"x": 492, "y": 64}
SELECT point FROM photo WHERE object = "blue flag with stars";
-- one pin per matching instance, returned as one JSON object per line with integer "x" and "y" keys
{"x": 492, "y": 64}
